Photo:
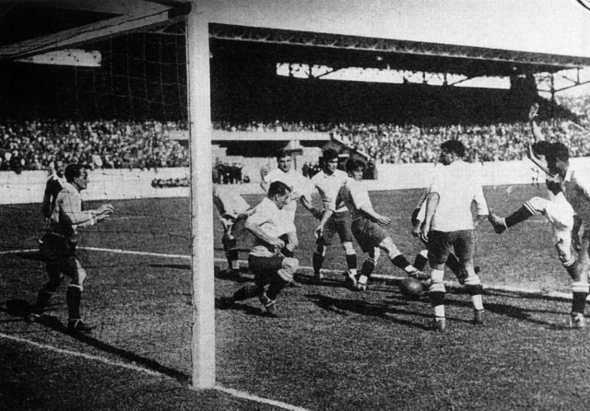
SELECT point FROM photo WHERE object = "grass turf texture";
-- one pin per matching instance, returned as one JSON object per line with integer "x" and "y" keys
{"x": 332, "y": 349}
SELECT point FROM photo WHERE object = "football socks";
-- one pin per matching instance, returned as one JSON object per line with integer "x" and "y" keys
{"x": 519, "y": 215}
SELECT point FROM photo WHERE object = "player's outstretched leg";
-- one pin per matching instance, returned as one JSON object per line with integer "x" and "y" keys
{"x": 501, "y": 224}
{"x": 399, "y": 260}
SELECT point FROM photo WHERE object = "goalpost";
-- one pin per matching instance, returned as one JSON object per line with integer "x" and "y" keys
{"x": 107, "y": 103}
{"x": 203, "y": 341}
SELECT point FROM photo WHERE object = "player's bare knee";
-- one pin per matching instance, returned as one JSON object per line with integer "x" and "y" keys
{"x": 564, "y": 255}
{"x": 80, "y": 276}
{"x": 289, "y": 266}
{"x": 348, "y": 248}
{"x": 375, "y": 253}
{"x": 390, "y": 248}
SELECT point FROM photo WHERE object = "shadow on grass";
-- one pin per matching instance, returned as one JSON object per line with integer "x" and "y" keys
{"x": 398, "y": 304}
{"x": 342, "y": 307}
{"x": 510, "y": 311}
{"x": 221, "y": 274}
{"x": 244, "y": 306}
{"x": 20, "y": 308}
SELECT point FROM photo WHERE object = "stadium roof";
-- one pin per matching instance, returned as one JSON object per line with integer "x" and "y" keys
{"x": 353, "y": 51}
{"x": 29, "y": 27}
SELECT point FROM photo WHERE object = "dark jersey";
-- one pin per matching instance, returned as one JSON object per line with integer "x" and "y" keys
{"x": 52, "y": 188}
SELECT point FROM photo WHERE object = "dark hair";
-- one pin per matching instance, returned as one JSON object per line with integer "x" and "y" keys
{"x": 329, "y": 154}
{"x": 73, "y": 171}
{"x": 542, "y": 148}
{"x": 283, "y": 153}
{"x": 278, "y": 187}
{"x": 354, "y": 164}
{"x": 454, "y": 146}
{"x": 557, "y": 151}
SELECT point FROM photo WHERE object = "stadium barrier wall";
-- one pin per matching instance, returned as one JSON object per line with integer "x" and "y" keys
{"x": 120, "y": 184}
{"x": 104, "y": 184}
{"x": 496, "y": 173}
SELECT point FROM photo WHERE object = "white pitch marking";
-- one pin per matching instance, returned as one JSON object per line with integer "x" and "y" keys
{"x": 31, "y": 250}
{"x": 245, "y": 395}
{"x": 230, "y": 391}
{"x": 86, "y": 356}
{"x": 491, "y": 287}
{"x": 119, "y": 251}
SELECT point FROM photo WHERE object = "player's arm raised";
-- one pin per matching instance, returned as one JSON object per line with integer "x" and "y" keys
{"x": 537, "y": 137}
{"x": 537, "y": 133}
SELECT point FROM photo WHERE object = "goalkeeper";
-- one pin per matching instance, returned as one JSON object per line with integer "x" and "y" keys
{"x": 59, "y": 247}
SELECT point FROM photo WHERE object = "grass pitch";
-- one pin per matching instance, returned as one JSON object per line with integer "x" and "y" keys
{"x": 331, "y": 349}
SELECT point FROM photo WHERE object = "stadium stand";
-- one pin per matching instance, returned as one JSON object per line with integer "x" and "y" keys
{"x": 36, "y": 144}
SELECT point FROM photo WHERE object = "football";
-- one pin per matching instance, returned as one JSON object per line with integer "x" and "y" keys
{"x": 410, "y": 287}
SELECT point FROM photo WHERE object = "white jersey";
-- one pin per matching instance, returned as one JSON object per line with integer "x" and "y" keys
{"x": 269, "y": 218}
{"x": 577, "y": 192}
{"x": 299, "y": 187}
{"x": 355, "y": 196}
{"x": 458, "y": 186}
{"x": 328, "y": 187}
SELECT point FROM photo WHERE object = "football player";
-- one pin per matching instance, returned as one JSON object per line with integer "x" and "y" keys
{"x": 272, "y": 270}
{"x": 286, "y": 174}
{"x": 449, "y": 223}
{"x": 553, "y": 159}
{"x": 59, "y": 248}
{"x": 367, "y": 227}
{"x": 422, "y": 258}
{"x": 328, "y": 181}
{"x": 55, "y": 183}
{"x": 232, "y": 208}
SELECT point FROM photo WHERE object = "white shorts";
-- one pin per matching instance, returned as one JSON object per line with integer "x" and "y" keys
{"x": 559, "y": 213}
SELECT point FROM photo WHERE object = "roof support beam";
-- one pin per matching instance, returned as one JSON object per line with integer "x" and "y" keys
{"x": 80, "y": 35}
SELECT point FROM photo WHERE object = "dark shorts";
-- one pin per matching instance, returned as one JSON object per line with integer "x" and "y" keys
{"x": 59, "y": 253}
{"x": 264, "y": 268}
{"x": 339, "y": 224}
{"x": 440, "y": 244}
{"x": 368, "y": 234}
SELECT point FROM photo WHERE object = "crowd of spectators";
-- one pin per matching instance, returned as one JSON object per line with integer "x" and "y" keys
{"x": 387, "y": 143}
{"x": 37, "y": 144}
